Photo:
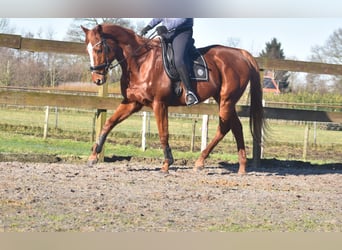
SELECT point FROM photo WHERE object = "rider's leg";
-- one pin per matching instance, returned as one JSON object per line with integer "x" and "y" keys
{"x": 190, "y": 97}
{"x": 182, "y": 43}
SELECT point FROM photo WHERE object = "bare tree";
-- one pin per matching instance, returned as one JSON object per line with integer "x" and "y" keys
{"x": 5, "y": 26}
{"x": 23, "y": 68}
{"x": 330, "y": 52}
{"x": 75, "y": 32}
{"x": 6, "y": 56}
{"x": 233, "y": 41}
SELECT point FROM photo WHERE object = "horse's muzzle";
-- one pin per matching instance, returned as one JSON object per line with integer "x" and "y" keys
{"x": 99, "y": 79}
{"x": 99, "y": 82}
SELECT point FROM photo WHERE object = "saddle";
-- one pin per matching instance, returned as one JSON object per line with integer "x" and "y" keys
{"x": 198, "y": 65}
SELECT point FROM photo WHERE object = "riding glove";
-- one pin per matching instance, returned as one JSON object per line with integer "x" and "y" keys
{"x": 161, "y": 30}
{"x": 145, "y": 30}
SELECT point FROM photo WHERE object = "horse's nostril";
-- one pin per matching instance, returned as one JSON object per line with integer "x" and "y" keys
{"x": 99, "y": 80}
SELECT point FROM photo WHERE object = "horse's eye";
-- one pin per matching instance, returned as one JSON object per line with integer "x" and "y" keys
{"x": 99, "y": 51}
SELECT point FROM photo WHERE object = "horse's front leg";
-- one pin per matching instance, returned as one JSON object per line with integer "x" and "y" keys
{"x": 123, "y": 111}
{"x": 161, "y": 114}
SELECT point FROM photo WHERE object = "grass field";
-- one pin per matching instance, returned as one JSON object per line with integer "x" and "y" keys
{"x": 22, "y": 132}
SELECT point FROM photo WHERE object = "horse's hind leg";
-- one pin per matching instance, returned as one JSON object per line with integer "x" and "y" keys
{"x": 232, "y": 122}
{"x": 222, "y": 129}
{"x": 238, "y": 134}
{"x": 123, "y": 111}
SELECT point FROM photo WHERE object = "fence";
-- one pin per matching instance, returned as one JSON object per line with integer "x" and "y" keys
{"x": 102, "y": 102}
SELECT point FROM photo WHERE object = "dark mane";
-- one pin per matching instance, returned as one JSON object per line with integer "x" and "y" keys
{"x": 122, "y": 35}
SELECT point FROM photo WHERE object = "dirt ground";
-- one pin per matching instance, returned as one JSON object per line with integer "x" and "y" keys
{"x": 127, "y": 195}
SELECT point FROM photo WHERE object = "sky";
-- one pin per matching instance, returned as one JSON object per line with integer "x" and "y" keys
{"x": 296, "y": 35}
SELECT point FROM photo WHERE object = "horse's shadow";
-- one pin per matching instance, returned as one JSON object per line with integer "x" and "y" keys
{"x": 286, "y": 167}
{"x": 268, "y": 166}
{"x": 148, "y": 163}
{"x": 115, "y": 158}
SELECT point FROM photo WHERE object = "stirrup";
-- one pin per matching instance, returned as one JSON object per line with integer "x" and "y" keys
{"x": 190, "y": 98}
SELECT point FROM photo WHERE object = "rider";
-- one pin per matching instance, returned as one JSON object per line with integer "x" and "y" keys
{"x": 179, "y": 31}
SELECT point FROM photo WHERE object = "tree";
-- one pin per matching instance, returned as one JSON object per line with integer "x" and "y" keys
{"x": 39, "y": 69}
{"x": 233, "y": 41}
{"x": 273, "y": 50}
{"x": 6, "y": 56}
{"x": 75, "y": 33}
{"x": 330, "y": 52}
{"x": 5, "y": 26}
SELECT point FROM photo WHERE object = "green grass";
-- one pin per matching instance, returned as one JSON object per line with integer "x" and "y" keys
{"x": 69, "y": 148}
{"x": 21, "y": 131}
{"x": 30, "y": 144}
{"x": 334, "y": 99}
{"x": 299, "y": 225}
{"x": 242, "y": 222}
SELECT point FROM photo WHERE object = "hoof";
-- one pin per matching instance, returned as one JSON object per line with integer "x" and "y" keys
{"x": 242, "y": 173}
{"x": 91, "y": 163}
{"x": 164, "y": 172}
{"x": 198, "y": 168}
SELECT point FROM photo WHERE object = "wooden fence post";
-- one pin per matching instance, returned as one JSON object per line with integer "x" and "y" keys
{"x": 46, "y": 122}
{"x": 205, "y": 123}
{"x": 101, "y": 118}
{"x": 56, "y": 117}
{"x": 93, "y": 128}
{"x": 143, "y": 133}
{"x": 306, "y": 141}
{"x": 193, "y": 136}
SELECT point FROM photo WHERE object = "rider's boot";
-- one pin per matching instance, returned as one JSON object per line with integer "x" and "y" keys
{"x": 190, "y": 96}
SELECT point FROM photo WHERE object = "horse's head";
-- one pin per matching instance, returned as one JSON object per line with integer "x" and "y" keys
{"x": 100, "y": 53}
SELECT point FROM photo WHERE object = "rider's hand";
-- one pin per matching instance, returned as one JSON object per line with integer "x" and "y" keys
{"x": 161, "y": 30}
{"x": 145, "y": 30}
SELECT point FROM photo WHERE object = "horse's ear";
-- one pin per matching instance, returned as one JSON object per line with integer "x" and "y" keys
{"x": 99, "y": 28}
{"x": 84, "y": 29}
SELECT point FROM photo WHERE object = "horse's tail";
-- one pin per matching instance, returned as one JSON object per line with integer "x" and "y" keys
{"x": 256, "y": 113}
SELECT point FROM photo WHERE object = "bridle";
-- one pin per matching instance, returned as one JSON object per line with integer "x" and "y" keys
{"x": 107, "y": 65}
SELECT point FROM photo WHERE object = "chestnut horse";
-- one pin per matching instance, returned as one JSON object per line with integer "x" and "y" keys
{"x": 145, "y": 83}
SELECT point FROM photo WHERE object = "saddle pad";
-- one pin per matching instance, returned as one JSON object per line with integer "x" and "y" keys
{"x": 199, "y": 70}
